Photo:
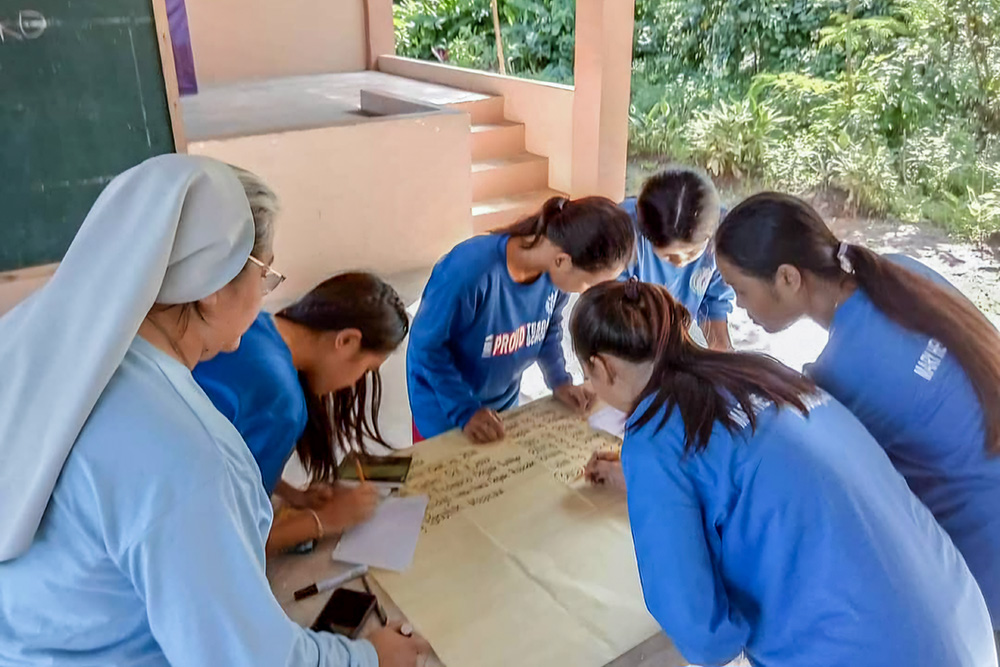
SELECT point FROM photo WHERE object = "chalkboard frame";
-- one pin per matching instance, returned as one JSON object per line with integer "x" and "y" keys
{"x": 16, "y": 283}
{"x": 169, "y": 74}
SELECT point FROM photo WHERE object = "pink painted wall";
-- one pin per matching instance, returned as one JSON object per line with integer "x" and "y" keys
{"x": 546, "y": 109}
{"x": 602, "y": 72}
{"x": 389, "y": 194}
{"x": 238, "y": 40}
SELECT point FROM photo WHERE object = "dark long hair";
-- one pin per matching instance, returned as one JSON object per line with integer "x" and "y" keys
{"x": 640, "y": 322}
{"x": 771, "y": 229}
{"x": 678, "y": 204}
{"x": 341, "y": 421}
{"x": 593, "y": 231}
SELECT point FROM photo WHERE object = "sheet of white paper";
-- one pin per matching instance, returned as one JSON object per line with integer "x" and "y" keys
{"x": 389, "y": 539}
{"x": 609, "y": 420}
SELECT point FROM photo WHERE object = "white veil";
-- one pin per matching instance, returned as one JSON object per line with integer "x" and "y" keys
{"x": 171, "y": 230}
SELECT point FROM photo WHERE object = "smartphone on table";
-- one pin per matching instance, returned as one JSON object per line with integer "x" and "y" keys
{"x": 346, "y": 613}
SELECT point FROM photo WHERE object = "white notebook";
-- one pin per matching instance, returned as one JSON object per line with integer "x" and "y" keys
{"x": 389, "y": 539}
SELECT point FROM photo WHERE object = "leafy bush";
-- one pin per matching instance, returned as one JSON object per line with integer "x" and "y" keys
{"x": 538, "y": 37}
{"x": 732, "y": 138}
{"x": 896, "y": 103}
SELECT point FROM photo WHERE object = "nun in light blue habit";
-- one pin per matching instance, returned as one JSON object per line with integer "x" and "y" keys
{"x": 133, "y": 516}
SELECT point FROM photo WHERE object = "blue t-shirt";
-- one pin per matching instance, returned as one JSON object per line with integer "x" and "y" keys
{"x": 257, "y": 388}
{"x": 151, "y": 549}
{"x": 916, "y": 399}
{"x": 799, "y": 544}
{"x": 476, "y": 332}
{"x": 699, "y": 285}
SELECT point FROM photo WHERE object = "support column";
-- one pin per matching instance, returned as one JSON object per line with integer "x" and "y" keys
{"x": 379, "y": 31}
{"x": 602, "y": 79}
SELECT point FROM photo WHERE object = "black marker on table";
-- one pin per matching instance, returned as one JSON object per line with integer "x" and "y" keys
{"x": 331, "y": 583}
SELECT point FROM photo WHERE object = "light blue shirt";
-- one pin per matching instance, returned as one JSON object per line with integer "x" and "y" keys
{"x": 800, "y": 544}
{"x": 151, "y": 550}
{"x": 698, "y": 285}
{"x": 914, "y": 397}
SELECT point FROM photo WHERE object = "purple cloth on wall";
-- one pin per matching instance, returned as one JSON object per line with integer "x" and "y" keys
{"x": 180, "y": 36}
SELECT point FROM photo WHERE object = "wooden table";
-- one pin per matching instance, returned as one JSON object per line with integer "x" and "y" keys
{"x": 289, "y": 572}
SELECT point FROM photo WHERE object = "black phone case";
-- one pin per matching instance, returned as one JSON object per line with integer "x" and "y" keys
{"x": 346, "y": 613}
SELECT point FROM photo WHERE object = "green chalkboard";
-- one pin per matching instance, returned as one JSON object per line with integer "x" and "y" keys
{"x": 82, "y": 98}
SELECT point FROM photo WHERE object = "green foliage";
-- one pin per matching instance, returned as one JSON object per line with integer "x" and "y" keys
{"x": 424, "y": 25}
{"x": 733, "y": 138}
{"x": 894, "y": 102}
{"x": 538, "y": 36}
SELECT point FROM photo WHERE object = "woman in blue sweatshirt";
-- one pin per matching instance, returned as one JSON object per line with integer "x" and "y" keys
{"x": 307, "y": 380}
{"x": 675, "y": 216}
{"x": 765, "y": 518}
{"x": 908, "y": 354}
{"x": 493, "y": 306}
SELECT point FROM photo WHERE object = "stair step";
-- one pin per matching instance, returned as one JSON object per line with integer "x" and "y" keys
{"x": 485, "y": 111}
{"x": 491, "y": 214}
{"x": 498, "y": 177}
{"x": 493, "y": 140}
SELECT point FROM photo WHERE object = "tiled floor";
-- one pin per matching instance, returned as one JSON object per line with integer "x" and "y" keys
{"x": 299, "y": 102}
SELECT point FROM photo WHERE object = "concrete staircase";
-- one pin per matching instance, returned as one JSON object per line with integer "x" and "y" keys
{"x": 508, "y": 183}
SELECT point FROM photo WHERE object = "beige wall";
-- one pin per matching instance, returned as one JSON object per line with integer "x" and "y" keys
{"x": 388, "y": 195}
{"x": 602, "y": 72}
{"x": 546, "y": 109}
{"x": 238, "y": 40}
{"x": 16, "y": 285}
{"x": 381, "y": 31}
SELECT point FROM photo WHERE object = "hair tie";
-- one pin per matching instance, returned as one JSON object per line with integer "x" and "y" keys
{"x": 632, "y": 289}
{"x": 845, "y": 263}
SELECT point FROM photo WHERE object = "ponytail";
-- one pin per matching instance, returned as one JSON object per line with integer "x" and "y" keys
{"x": 594, "y": 232}
{"x": 771, "y": 229}
{"x": 640, "y": 322}
{"x": 919, "y": 304}
{"x": 535, "y": 227}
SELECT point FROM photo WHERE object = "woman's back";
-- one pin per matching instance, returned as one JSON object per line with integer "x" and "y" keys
{"x": 801, "y": 543}
{"x": 151, "y": 549}
{"x": 916, "y": 400}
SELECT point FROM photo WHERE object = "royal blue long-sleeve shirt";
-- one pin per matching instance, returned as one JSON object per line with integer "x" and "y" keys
{"x": 914, "y": 397}
{"x": 257, "y": 388}
{"x": 476, "y": 332}
{"x": 699, "y": 285}
{"x": 798, "y": 543}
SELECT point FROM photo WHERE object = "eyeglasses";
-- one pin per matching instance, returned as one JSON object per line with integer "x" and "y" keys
{"x": 271, "y": 277}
